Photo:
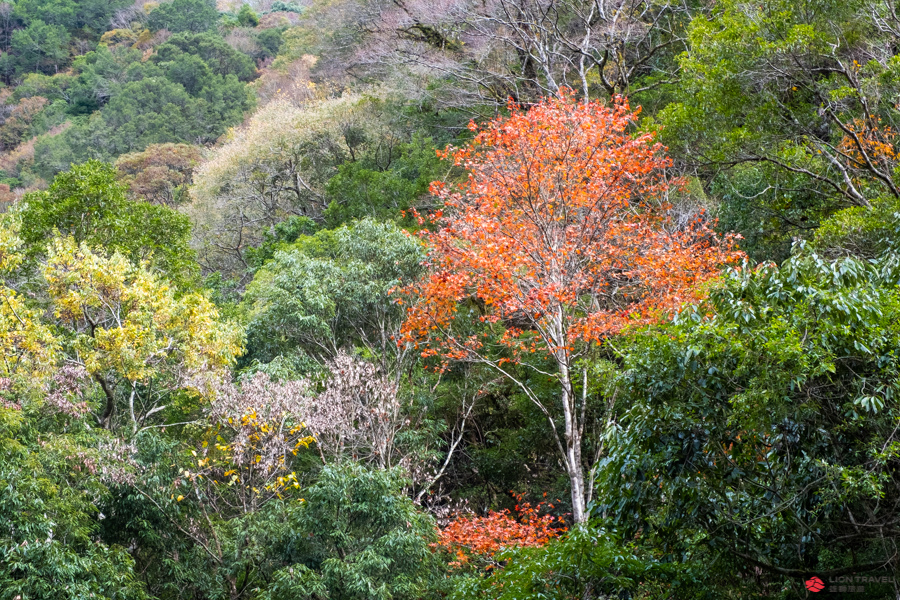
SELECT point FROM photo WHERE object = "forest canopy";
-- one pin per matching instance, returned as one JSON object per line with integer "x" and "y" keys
{"x": 402, "y": 299}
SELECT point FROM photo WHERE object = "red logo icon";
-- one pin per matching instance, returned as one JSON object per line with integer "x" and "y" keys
{"x": 814, "y": 584}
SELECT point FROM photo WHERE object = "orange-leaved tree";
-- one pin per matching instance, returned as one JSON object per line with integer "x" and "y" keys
{"x": 558, "y": 239}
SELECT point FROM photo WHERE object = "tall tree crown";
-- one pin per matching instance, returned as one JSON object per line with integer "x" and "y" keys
{"x": 561, "y": 228}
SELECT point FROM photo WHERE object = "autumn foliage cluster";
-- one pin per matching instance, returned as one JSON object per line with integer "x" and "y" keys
{"x": 469, "y": 536}
{"x": 561, "y": 228}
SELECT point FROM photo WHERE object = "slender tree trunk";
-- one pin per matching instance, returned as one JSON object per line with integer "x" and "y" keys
{"x": 572, "y": 459}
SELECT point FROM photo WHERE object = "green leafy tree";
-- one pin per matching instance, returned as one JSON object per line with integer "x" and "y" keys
{"x": 190, "y": 72}
{"x": 146, "y": 515}
{"x": 759, "y": 431}
{"x": 281, "y": 6}
{"x": 331, "y": 291}
{"x": 52, "y": 12}
{"x": 52, "y": 87}
{"x": 48, "y": 543}
{"x": 270, "y": 41}
{"x": 193, "y": 16}
{"x": 40, "y": 47}
{"x": 100, "y": 75}
{"x": 247, "y": 16}
{"x": 786, "y": 109}
{"x": 153, "y": 110}
{"x": 93, "y": 15}
{"x": 212, "y": 49}
{"x": 356, "y": 537}
{"x": 88, "y": 204}
{"x": 361, "y": 189}
{"x": 587, "y": 562}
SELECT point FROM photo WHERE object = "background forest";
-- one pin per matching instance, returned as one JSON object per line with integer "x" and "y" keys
{"x": 410, "y": 299}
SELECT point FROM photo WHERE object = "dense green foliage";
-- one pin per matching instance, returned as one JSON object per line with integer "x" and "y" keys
{"x": 761, "y": 431}
{"x": 103, "y": 97}
{"x": 364, "y": 190}
{"x": 194, "y": 16}
{"x": 48, "y": 547}
{"x": 783, "y": 105}
{"x": 355, "y": 537}
{"x": 330, "y": 291}
{"x": 88, "y": 204}
{"x": 177, "y": 98}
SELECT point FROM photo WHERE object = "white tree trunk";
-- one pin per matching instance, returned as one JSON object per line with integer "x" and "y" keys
{"x": 572, "y": 458}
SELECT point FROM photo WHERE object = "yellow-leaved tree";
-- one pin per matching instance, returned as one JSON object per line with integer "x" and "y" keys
{"x": 145, "y": 345}
{"x": 27, "y": 346}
